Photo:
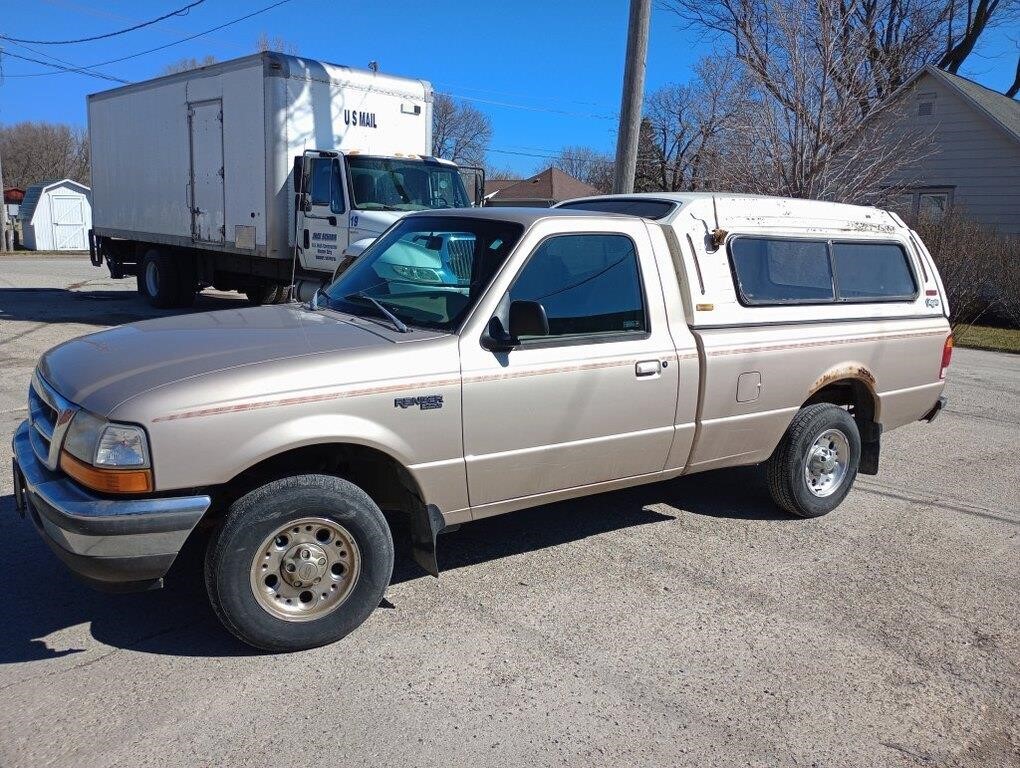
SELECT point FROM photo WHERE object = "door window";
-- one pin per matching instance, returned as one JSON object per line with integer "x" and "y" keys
{"x": 324, "y": 184}
{"x": 588, "y": 284}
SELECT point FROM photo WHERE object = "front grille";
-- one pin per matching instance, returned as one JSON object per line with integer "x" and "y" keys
{"x": 461, "y": 255}
{"x": 49, "y": 415}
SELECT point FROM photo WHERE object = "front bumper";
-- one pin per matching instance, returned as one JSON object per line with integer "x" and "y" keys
{"x": 113, "y": 544}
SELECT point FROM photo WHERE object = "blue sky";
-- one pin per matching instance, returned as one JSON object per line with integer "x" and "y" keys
{"x": 547, "y": 73}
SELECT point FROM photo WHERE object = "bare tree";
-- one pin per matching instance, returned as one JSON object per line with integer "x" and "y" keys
{"x": 588, "y": 165}
{"x": 801, "y": 116}
{"x": 183, "y": 65}
{"x": 36, "y": 152}
{"x": 459, "y": 131}
{"x": 686, "y": 125}
{"x": 498, "y": 172}
{"x": 898, "y": 37}
{"x": 276, "y": 44}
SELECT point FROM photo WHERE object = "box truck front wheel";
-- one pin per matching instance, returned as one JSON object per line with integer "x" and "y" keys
{"x": 166, "y": 281}
{"x": 267, "y": 293}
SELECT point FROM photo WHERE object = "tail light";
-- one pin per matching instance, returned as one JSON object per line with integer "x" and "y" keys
{"x": 947, "y": 356}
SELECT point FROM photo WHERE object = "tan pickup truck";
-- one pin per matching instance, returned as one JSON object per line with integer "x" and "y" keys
{"x": 471, "y": 363}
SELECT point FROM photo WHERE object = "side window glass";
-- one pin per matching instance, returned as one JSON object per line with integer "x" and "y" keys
{"x": 337, "y": 190}
{"x": 782, "y": 271}
{"x": 588, "y": 284}
{"x": 872, "y": 271}
{"x": 320, "y": 181}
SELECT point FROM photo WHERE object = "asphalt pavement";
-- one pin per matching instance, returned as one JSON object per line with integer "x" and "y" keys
{"x": 683, "y": 623}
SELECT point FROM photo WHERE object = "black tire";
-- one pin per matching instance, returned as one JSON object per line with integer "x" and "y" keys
{"x": 267, "y": 293}
{"x": 786, "y": 469}
{"x": 171, "y": 285}
{"x": 253, "y": 518}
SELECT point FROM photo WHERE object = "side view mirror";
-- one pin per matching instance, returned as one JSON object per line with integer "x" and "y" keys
{"x": 528, "y": 318}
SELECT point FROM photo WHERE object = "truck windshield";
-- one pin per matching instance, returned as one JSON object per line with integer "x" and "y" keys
{"x": 404, "y": 184}
{"x": 428, "y": 271}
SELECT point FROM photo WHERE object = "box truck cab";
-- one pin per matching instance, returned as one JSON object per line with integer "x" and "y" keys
{"x": 257, "y": 173}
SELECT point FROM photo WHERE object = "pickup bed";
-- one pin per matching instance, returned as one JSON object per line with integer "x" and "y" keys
{"x": 471, "y": 363}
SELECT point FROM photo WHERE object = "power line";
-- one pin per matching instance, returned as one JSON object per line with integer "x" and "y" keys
{"x": 178, "y": 12}
{"x": 62, "y": 61}
{"x": 167, "y": 45}
{"x": 61, "y": 68}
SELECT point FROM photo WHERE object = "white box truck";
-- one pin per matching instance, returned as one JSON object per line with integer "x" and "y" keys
{"x": 258, "y": 173}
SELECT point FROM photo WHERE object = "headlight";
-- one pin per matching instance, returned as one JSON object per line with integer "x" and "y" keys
{"x": 106, "y": 457}
{"x": 420, "y": 274}
{"x": 102, "y": 444}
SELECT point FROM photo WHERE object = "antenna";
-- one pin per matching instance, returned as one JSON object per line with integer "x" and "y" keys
{"x": 373, "y": 65}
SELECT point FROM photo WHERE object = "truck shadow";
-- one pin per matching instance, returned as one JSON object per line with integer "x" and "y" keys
{"x": 45, "y": 603}
{"x": 97, "y": 307}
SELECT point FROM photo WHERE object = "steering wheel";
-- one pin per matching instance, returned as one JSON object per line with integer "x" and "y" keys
{"x": 438, "y": 201}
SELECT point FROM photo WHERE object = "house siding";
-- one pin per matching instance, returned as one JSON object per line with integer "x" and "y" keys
{"x": 971, "y": 153}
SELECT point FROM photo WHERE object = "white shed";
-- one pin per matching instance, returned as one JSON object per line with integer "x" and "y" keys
{"x": 56, "y": 216}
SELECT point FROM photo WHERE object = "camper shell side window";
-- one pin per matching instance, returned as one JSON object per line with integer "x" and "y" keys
{"x": 775, "y": 271}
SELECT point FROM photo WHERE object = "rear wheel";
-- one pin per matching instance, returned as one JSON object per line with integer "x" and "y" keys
{"x": 166, "y": 281}
{"x": 266, "y": 293}
{"x": 298, "y": 563}
{"x": 815, "y": 464}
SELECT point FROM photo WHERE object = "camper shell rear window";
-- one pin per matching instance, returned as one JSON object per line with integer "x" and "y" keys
{"x": 645, "y": 209}
{"x": 770, "y": 271}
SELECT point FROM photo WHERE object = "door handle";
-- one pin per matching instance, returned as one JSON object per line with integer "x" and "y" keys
{"x": 305, "y": 239}
{"x": 647, "y": 368}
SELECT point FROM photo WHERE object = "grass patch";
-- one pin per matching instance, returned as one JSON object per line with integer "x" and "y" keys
{"x": 983, "y": 337}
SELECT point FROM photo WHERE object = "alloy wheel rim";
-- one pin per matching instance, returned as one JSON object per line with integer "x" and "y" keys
{"x": 827, "y": 462}
{"x": 305, "y": 569}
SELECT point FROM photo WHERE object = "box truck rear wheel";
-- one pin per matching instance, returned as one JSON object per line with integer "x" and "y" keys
{"x": 266, "y": 293}
{"x": 166, "y": 281}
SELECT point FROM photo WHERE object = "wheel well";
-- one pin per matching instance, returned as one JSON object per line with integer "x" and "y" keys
{"x": 852, "y": 394}
{"x": 378, "y": 474}
{"x": 860, "y": 401}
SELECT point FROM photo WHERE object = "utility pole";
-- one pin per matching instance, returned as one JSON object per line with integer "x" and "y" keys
{"x": 3, "y": 211}
{"x": 633, "y": 95}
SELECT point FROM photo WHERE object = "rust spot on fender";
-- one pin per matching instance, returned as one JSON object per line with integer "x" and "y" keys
{"x": 852, "y": 371}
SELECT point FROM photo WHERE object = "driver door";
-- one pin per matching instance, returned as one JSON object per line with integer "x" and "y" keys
{"x": 320, "y": 242}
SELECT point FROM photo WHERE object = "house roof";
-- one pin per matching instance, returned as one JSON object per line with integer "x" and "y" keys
{"x": 35, "y": 192}
{"x": 551, "y": 185}
{"x": 495, "y": 185}
{"x": 1000, "y": 109}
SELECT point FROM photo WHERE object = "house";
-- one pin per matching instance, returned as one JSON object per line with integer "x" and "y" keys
{"x": 540, "y": 191}
{"x": 56, "y": 216}
{"x": 974, "y": 163}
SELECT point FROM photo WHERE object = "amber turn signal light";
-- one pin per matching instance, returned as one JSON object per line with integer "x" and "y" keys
{"x": 107, "y": 480}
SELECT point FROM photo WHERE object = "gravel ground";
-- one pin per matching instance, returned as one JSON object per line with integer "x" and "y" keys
{"x": 684, "y": 623}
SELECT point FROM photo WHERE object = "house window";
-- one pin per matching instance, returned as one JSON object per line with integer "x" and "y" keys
{"x": 926, "y": 202}
{"x": 933, "y": 205}
{"x": 925, "y": 104}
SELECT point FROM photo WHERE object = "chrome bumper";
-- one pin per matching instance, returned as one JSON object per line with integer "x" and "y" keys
{"x": 118, "y": 544}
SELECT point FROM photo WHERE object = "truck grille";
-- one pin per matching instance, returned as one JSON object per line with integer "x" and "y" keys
{"x": 49, "y": 415}
{"x": 461, "y": 255}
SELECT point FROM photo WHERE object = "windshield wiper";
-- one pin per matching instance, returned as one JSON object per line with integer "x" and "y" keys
{"x": 397, "y": 322}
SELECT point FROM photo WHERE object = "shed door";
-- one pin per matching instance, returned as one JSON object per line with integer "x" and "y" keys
{"x": 68, "y": 222}
{"x": 206, "y": 123}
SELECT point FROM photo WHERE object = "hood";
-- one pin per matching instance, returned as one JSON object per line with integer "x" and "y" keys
{"x": 101, "y": 370}
{"x": 376, "y": 222}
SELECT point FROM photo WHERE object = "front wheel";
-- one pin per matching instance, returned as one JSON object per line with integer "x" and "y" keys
{"x": 815, "y": 464}
{"x": 298, "y": 563}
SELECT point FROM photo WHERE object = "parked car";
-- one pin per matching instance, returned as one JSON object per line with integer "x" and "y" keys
{"x": 472, "y": 363}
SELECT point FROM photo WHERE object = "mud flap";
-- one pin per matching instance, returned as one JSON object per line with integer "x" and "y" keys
{"x": 425, "y": 528}
{"x": 871, "y": 447}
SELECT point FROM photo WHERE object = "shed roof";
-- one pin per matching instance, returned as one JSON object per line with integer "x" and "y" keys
{"x": 35, "y": 192}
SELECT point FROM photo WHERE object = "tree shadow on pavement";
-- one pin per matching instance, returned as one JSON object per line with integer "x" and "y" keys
{"x": 43, "y": 597}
